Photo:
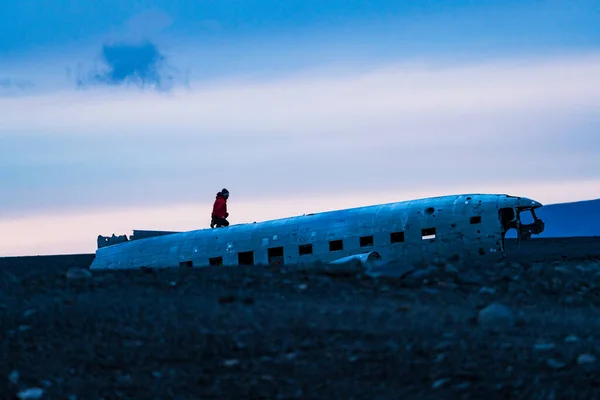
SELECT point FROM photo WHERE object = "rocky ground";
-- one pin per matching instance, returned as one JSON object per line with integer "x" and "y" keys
{"x": 526, "y": 329}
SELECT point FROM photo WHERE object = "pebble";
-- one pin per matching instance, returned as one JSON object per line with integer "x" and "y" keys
{"x": 487, "y": 290}
{"x": 571, "y": 339}
{"x": 30, "y": 394}
{"x": 543, "y": 346}
{"x": 563, "y": 270}
{"x": 29, "y": 313}
{"x": 419, "y": 274}
{"x": 440, "y": 382}
{"x": 14, "y": 377}
{"x": 451, "y": 269}
{"x": 496, "y": 315}
{"x": 231, "y": 363}
{"x": 586, "y": 358}
{"x": 78, "y": 274}
{"x": 445, "y": 345}
{"x": 555, "y": 364}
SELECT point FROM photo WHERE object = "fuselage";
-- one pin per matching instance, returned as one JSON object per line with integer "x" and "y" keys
{"x": 470, "y": 226}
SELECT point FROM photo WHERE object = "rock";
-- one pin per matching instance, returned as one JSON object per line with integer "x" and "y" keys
{"x": 29, "y": 313}
{"x": 586, "y": 358}
{"x": 419, "y": 274}
{"x": 439, "y": 383}
{"x": 451, "y": 269}
{"x": 340, "y": 270}
{"x": 555, "y": 364}
{"x": 432, "y": 269}
{"x": 563, "y": 270}
{"x": 13, "y": 377}
{"x": 231, "y": 363}
{"x": 30, "y": 394}
{"x": 571, "y": 339}
{"x": 447, "y": 285}
{"x": 78, "y": 274}
{"x": 543, "y": 346}
{"x": 487, "y": 290}
{"x": 496, "y": 315}
{"x": 445, "y": 345}
{"x": 569, "y": 300}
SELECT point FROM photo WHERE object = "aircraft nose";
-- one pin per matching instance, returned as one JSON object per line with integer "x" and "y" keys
{"x": 534, "y": 203}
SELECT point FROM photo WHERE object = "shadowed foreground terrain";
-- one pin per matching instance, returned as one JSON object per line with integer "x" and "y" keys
{"x": 529, "y": 328}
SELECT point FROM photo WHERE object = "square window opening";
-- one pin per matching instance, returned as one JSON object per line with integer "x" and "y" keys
{"x": 366, "y": 241}
{"x": 305, "y": 249}
{"x": 475, "y": 220}
{"x": 275, "y": 255}
{"x": 215, "y": 261}
{"x": 336, "y": 245}
{"x": 428, "y": 233}
{"x": 397, "y": 237}
{"x": 246, "y": 258}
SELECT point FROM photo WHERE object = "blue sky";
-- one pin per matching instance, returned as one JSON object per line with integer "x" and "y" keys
{"x": 124, "y": 113}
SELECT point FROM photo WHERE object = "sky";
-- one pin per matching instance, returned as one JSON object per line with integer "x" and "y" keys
{"x": 122, "y": 115}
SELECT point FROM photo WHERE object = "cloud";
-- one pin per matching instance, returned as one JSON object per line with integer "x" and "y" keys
{"x": 393, "y": 98}
{"x": 139, "y": 64}
{"x": 11, "y": 86}
{"x": 413, "y": 125}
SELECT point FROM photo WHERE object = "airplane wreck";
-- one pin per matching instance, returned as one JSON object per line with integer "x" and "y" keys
{"x": 467, "y": 226}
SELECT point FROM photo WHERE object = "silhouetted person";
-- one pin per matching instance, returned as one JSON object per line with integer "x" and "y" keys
{"x": 219, "y": 212}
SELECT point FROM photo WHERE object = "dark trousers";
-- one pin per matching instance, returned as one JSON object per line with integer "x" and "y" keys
{"x": 217, "y": 222}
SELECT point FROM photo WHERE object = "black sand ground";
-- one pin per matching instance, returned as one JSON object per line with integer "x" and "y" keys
{"x": 249, "y": 333}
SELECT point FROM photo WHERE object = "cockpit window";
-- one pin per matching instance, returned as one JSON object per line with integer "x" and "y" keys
{"x": 526, "y": 217}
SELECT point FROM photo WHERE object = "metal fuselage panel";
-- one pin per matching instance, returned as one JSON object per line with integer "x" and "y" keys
{"x": 413, "y": 231}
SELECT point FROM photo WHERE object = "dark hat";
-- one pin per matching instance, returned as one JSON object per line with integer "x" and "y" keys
{"x": 225, "y": 192}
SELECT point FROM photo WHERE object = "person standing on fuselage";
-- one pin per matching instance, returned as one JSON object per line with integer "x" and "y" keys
{"x": 219, "y": 212}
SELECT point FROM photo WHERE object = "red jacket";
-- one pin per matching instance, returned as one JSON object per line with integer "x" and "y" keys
{"x": 220, "y": 206}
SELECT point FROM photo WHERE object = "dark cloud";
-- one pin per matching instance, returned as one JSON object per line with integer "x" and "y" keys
{"x": 141, "y": 64}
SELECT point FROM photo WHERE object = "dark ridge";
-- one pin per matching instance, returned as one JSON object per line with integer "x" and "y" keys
{"x": 64, "y": 260}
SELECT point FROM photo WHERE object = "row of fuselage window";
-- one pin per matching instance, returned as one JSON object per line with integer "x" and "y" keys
{"x": 275, "y": 254}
